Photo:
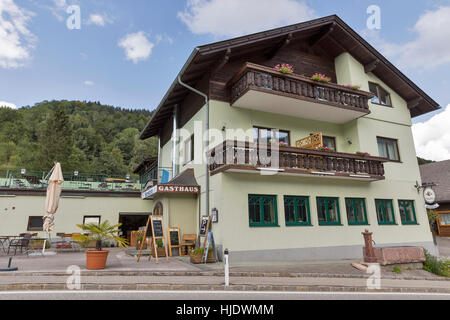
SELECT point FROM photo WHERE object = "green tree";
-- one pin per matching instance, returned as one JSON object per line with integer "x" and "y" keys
{"x": 55, "y": 140}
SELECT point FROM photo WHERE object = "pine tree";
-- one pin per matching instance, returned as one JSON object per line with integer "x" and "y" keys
{"x": 55, "y": 140}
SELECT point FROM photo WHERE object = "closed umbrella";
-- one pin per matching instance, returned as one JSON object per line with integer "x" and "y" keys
{"x": 52, "y": 199}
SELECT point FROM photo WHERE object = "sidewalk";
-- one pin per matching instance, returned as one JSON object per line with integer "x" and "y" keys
{"x": 124, "y": 273}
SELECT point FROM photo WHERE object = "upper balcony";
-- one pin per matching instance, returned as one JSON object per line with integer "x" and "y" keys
{"x": 246, "y": 157}
{"x": 265, "y": 89}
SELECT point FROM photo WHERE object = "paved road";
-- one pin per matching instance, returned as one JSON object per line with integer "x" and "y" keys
{"x": 214, "y": 295}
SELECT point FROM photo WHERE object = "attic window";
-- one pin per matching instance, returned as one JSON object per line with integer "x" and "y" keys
{"x": 382, "y": 97}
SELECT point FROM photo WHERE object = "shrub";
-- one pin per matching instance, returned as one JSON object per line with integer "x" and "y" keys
{"x": 397, "y": 270}
{"x": 433, "y": 265}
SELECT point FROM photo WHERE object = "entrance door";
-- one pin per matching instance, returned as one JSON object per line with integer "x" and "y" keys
{"x": 132, "y": 222}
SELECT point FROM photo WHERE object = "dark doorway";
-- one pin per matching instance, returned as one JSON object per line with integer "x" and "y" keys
{"x": 132, "y": 222}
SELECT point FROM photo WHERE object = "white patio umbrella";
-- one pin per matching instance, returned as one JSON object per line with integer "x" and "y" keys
{"x": 52, "y": 199}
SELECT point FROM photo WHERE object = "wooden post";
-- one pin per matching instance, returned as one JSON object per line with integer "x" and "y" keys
{"x": 144, "y": 239}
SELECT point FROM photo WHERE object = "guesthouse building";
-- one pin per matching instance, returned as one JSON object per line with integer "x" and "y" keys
{"x": 296, "y": 140}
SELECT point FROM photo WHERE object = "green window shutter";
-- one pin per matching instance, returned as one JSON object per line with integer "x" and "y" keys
{"x": 385, "y": 212}
{"x": 262, "y": 211}
{"x": 356, "y": 211}
{"x": 297, "y": 211}
{"x": 328, "y": 211}
{"x": 407, "y": 211}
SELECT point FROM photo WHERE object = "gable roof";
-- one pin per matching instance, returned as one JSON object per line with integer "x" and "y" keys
{"x": 333, "y": 34}
{"x": 438, "y": 173}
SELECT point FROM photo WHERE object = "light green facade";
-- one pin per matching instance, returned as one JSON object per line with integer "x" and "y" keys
{"x": 15, "y": 210}
{"x": 229, "y": 190}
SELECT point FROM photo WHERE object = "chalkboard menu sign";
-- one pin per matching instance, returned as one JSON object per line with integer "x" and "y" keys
{"x": 204, "y": 226}
{"x": 174, "y": 235}
{"x": 157, "y": 227}
{"x": 149, "y": 232}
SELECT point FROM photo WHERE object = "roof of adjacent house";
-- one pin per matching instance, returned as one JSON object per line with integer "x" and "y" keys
{"x": 186, "y": 178}
{"x": 333, "y": 34}
{"x": 145, "y": 165}
{"x": 438, "y": 173}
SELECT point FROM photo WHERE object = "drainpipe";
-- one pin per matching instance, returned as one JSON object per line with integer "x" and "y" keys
{"x": 159, "y": 159}
{"x": 207, "y": 135}
{"x": 174, "y": 141}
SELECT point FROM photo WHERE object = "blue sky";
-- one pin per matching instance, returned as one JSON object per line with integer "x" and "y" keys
{"x": 45, "y": 60}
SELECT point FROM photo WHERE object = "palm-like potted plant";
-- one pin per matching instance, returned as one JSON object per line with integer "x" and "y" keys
{"x": 96, "y": 259}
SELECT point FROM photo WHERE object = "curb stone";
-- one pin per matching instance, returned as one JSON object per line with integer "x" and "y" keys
{"x": 180, "y": 287}
{"x": 217, "y": 274}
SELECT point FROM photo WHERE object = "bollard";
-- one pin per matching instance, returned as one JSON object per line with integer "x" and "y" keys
{"x": 227, "y": 268}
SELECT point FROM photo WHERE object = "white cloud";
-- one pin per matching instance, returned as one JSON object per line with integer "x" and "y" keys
{"x": 99, "y": 20}
{"x": 4, "y": 104}
{"x": 228, "y": 18}
{"x": 89, "y": 83}
{"x": 432, "y": 138}
{"x": 137, "y": 46}
{"x": 16, "y": 40}
{"x": 431, "y": 46}
{"x": 163, "y": 37}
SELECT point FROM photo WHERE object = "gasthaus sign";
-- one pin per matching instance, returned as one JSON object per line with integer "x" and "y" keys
{"x": 170, "y": 189}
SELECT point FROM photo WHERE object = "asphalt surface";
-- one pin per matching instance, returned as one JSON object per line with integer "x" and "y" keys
{"x": 214, "y": 295}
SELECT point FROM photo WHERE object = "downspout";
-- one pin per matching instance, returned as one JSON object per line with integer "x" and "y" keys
{"x": 207, "y": 136}
{"x": 159, "y": 159}
{"x": 174, "y": 141}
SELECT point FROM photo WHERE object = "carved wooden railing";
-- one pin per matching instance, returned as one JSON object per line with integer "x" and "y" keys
{"x": 314, "y": 141}
{"x": 256, "y": 77}
{"x": 244, "y": 155}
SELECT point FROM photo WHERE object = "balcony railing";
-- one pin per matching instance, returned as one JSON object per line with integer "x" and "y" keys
{"x": 261, "y": 78}
{"x": 242, "y": 156}
{"x": 35, "y": 180}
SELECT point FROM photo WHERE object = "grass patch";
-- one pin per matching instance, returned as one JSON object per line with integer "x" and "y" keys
{"x": 433, "y": 265}
{"x": 397, "y": 270}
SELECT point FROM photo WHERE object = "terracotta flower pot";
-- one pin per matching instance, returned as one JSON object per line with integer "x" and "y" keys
{"x": 96, "y": 260}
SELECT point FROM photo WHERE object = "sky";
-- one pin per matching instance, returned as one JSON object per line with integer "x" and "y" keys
{"x": 126, "y": 53}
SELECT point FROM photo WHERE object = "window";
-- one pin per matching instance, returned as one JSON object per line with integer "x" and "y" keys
{"x": 381, "y": 96}
{"x": 407, "y": 211}
{"x": 445, "y": 219}
{"x": 356, "y": 211}
{"x": 388, "y": 148}
{"x": 385, "y": 212}
{"x": 296, "y": 211}
{"x": 329, "y": 142}
{"x": 272, "y": 135}
{"x": 189, "y": 150}
{"x": 35, "y": 224}
{"x": 262, "y": 211}
{"x": 92, "y": 219}
{"x": 328, "y": 211}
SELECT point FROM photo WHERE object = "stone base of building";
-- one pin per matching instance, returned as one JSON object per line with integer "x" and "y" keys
{"x": 318, "y": 253}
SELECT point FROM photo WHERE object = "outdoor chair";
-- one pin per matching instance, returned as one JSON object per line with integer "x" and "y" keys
{"x": 187, "y": 243}
{"x": 22, "y": 243}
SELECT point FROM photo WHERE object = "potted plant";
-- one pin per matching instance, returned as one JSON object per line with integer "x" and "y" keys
{"x": 323, "y": 148}
{"x": 352, "y": 86}
{"x": 160, "y": 248}
{"x": 320, "y": 78}
{"x": 196, "y": 255}
{"x": 96, "y": 259}
{"x": 363, "y": 154}
{"x": 284, "y": 68}
{"x": 139, "y": 240}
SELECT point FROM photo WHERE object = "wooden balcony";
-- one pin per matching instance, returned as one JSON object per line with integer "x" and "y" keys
{"x": 234, "y": 156}
{"x": 261, "y": 88}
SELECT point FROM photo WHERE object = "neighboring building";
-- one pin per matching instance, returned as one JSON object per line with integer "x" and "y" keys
{"x": 319, "y": 202}
{"x": 84, "y": 198}
{"x": 438, "y": 173}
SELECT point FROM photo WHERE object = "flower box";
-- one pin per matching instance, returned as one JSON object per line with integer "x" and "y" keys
{"x": 197, "y": 255}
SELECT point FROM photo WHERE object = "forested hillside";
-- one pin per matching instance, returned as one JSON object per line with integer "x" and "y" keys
{"x": 83, "y": 136}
